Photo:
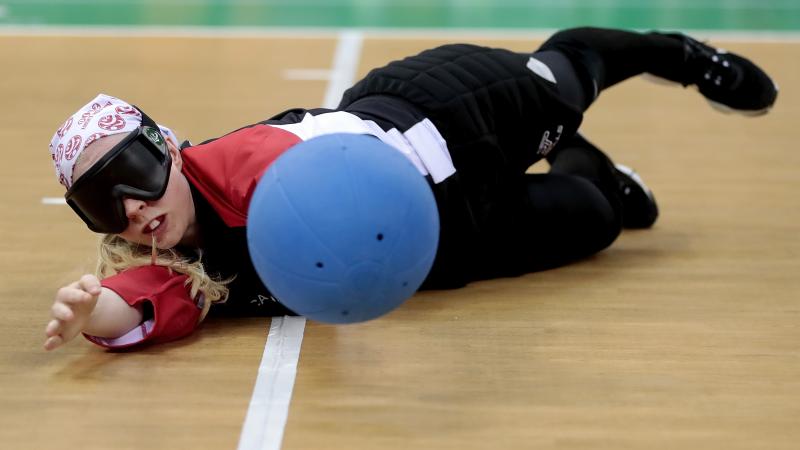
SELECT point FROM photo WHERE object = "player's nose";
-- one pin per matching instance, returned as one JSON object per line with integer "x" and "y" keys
{"x": 134, "y": 208}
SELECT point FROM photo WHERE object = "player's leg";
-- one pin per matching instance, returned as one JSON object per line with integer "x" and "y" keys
{"x": 572, "y": 212}
{"x": 569, "y": 217}
{"x": 580, "y": 207}
{"x": 587, "y": 60}
{"x": 623, "y": 188}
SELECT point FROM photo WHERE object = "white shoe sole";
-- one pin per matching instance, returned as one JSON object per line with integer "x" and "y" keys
{"x": 717, "y": 106}
{"x": 636, "y": 179}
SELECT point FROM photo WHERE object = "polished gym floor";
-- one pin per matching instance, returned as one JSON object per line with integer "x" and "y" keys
{"x": 682, "y": 336}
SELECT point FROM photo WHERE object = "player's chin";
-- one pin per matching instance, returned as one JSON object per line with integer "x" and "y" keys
{"x": 167, "y": 243}
{"x": 170, "y": 238}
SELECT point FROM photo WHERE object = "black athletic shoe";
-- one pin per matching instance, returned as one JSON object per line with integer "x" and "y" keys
{"x": 639, "y": 208}
{"x": 730, "y": 82}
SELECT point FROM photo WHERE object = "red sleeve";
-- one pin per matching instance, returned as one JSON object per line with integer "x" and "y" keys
{"x": 175, "y": 314}
{"x": 226, "y": 170}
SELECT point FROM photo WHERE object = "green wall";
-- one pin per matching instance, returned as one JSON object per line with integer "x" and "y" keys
{"x": 514, "y": 14}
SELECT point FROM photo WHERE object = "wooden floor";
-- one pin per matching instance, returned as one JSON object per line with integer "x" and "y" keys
{"x": 683, "y": 336}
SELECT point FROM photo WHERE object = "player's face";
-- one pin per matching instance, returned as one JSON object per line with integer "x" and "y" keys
{"x": 171, "y": 218}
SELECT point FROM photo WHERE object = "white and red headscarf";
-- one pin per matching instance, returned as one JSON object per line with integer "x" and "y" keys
{"x": 101, "y": 117}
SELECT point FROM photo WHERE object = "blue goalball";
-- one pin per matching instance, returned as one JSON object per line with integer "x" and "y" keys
{"x": 342, "y": 228}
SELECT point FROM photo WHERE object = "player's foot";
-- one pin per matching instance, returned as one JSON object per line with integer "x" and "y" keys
{"x": 639, "y": 208}
{"x": 731, "y": 83}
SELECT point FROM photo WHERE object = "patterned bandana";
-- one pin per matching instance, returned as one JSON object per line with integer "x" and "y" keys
{"x": 103, "y": 116}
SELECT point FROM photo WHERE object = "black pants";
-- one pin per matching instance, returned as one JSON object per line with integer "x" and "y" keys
{"x": 576, "y": 205}
{"x": 574, "y": 210}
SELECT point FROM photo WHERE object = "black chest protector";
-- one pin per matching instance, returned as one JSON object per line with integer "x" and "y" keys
{"x": 482, "y": 100}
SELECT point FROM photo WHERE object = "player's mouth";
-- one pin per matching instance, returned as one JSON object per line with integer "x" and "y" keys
{"x": 156, "y": 226}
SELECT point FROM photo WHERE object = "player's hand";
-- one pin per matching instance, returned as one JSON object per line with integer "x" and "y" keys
{"x": 71, "y": 311}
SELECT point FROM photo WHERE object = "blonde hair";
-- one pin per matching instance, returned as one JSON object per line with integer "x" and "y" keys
{"x": 117, "y": 254}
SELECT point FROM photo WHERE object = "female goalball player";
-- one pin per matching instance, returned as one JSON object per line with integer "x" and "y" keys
{"x": 471, "y": 119}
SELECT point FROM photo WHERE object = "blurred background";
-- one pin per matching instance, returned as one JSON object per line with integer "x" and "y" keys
{"x": 775, "y": 15}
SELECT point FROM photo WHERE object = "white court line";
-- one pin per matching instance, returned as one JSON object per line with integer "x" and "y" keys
{"x": 345, "y": 64}
{"x": 269, "y": 406}
{"x": 308, "y": 74}
{"x": 54, "y": 201}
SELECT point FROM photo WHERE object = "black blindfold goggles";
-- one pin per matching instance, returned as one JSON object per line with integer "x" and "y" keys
{"x": 138, "y": 167}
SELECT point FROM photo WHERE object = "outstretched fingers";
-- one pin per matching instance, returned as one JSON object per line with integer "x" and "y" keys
{"x": 72, "y": 296}
{"x": 53, "y": 328}
{"x": 71, "y": 311}
{"x": 89, "y": 284}
{"x": 53, "y": 342}
{"x": 62, "y": 312}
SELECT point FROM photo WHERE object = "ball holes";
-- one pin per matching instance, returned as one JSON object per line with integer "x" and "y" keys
{"x": 320, "y": 265}
{"x": 379, "y": 236}
{"x": 405, "y": 283}
{"x": 345, "y": 312}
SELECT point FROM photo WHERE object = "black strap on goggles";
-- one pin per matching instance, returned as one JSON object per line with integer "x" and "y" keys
{"x": 137, "y": 167}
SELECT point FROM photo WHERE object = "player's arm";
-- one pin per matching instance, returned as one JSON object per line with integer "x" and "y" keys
{"x": 156, "y": 307}
{"x": 86, "y": 307}
{"x": 113, "y": 316}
